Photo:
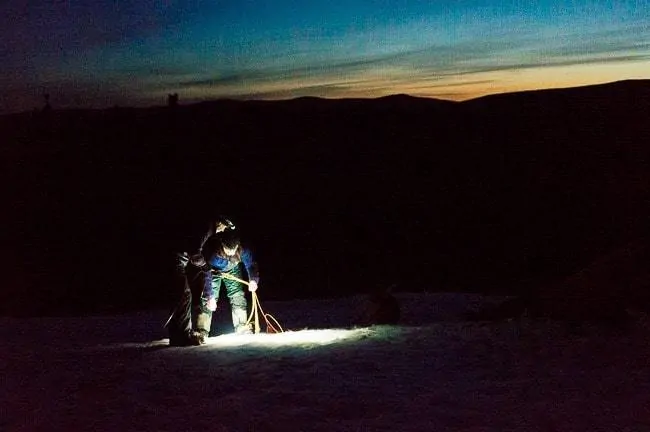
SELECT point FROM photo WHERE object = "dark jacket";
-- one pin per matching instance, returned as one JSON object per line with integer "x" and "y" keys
{"x": 222, "y": 263}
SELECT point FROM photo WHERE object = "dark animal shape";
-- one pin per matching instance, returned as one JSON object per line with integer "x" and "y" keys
{"x": 381, "y": 308}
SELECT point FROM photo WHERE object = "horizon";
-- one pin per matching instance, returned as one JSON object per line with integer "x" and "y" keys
{"x": 504, "y": 187}
{"x": 97, "y": 55}
{"x": 185, "y": 103}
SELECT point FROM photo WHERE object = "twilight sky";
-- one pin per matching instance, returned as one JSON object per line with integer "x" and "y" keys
{"x": 98, "y": 53}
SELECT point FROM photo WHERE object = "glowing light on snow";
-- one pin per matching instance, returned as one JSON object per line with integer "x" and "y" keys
{"x": 289, "y": 338}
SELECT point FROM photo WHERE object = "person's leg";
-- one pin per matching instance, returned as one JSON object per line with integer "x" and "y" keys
{"x": 200, "y": 283}
{"x": 238, "y": 304}
{"x": 180, "y": 323}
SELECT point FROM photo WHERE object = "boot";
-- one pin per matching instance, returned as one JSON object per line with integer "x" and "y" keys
{"x": 201, "y": 327}
{"x": 239, "y": 318}
{"x": 198, "y": 338}
{"x": 181, "y": 339}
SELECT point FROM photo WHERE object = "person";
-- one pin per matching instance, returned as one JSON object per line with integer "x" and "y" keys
{"x": 193, "y": 280}
{"x": 228, "y": 260}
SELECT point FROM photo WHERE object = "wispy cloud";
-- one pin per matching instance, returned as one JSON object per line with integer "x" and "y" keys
{"x": 434, "y": 66}
{"x": 256, "y": 49}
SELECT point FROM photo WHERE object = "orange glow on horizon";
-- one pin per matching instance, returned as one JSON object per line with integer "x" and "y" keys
{"x": 379, "y": 83}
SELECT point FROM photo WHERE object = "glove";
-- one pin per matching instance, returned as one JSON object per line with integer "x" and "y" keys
{"x": 212, "y": 305}
{"x": 252, "y": 286}
{"x": 197, "y": 260}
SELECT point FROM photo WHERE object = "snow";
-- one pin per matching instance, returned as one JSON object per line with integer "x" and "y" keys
{"x": 434, "y": 373}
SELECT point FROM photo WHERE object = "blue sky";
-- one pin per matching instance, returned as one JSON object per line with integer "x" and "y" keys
{"x": 96, "y": 53}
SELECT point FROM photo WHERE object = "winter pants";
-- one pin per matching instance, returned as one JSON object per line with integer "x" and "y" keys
{"x": 191, "y": 312}
{"x": 236, "y": 296}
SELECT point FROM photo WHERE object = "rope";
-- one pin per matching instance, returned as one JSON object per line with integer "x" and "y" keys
{"x": 254, "y": 316}
{"x": 257, "y": 310}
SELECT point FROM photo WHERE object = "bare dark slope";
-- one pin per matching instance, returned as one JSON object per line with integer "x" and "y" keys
{"x": 335, "y": 195}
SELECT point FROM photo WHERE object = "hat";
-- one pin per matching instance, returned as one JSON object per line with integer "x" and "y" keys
{"x": 224, "y": 220}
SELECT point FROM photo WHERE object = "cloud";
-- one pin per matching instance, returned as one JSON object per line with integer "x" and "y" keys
{"x": 477, "y": 57}
{"x": 158, "y": 47}
{"x": 331, "y": 90}
{"x": 228, "y": 79}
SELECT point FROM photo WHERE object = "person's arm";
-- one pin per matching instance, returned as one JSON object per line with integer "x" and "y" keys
{"x": 251, "y": 265}
{"x": 206, "y": 235}
{"x": 208, "y": 294}
{"x": 197, "y": 257}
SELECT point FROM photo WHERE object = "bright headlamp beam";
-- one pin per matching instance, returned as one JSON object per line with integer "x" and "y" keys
{"x": 288, "y": 338}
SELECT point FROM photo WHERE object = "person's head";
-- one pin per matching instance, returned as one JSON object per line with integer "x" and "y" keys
{"x": 230, "y": 243}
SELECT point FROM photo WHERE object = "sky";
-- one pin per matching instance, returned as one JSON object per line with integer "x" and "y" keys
{"x": 434, "y": 373}
{"x": 97, "y": 53}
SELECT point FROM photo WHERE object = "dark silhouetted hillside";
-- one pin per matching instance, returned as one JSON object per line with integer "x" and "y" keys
{"x": 334, "y": 195}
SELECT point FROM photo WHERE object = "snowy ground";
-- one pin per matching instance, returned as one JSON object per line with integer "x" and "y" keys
{"x": 435, "y": 373}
